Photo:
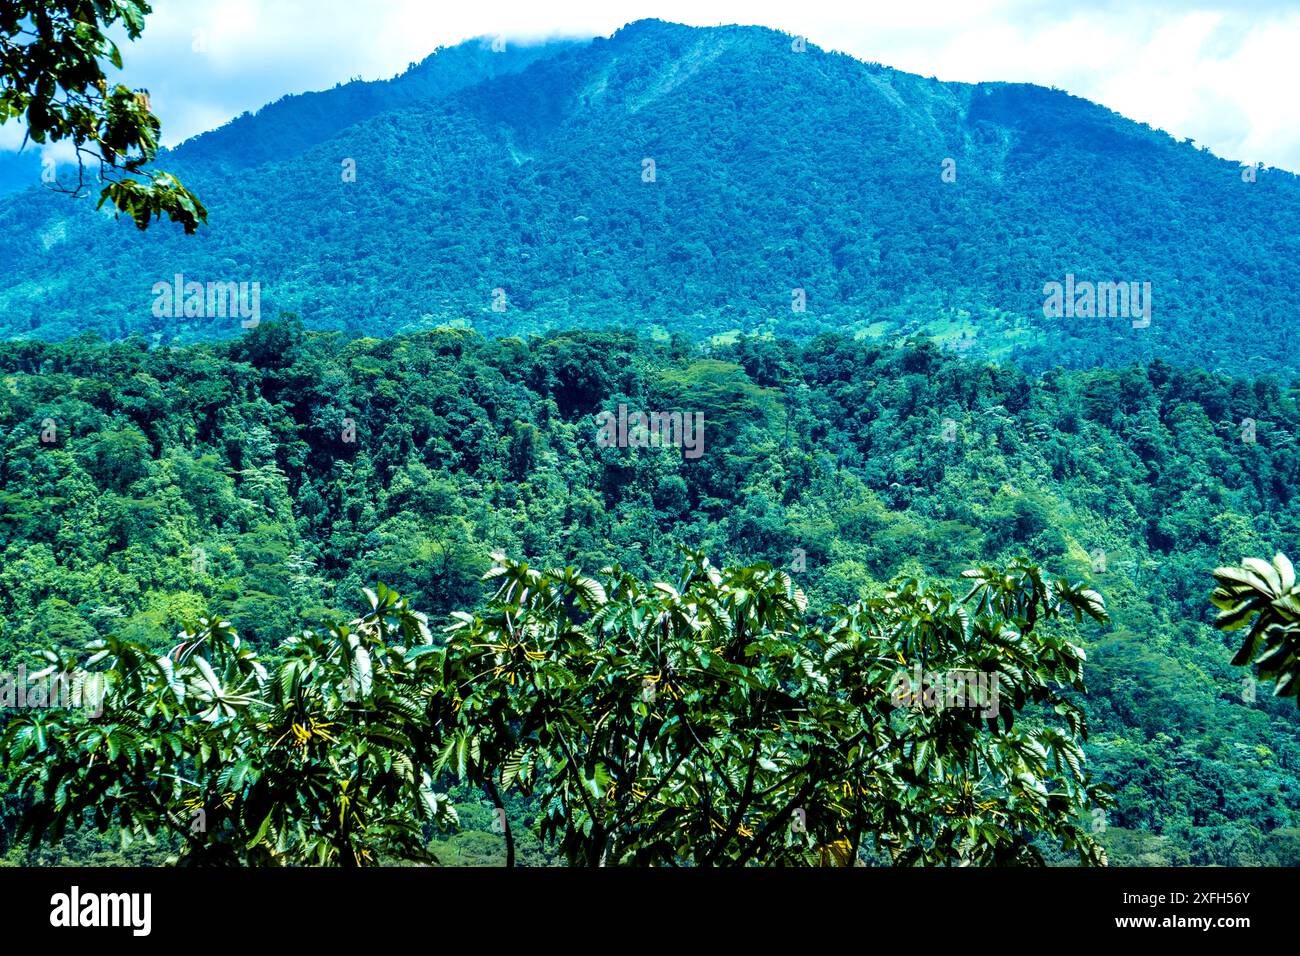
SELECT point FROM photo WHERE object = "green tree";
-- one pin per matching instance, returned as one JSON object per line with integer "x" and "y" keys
{"x": 314, "y": 764}
{"x": 52, "y": 78}
{"x": 704, "y": 721}
{"x": 700, "y": 721}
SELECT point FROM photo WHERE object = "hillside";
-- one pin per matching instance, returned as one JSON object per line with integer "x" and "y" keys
{"x": 510, "y": 195}
{"x": 269, "y": 478}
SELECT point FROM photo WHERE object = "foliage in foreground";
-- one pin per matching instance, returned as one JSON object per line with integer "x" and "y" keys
{"x": 707, "y": 720}
{"x": 1267, "y": 597}
{"x": 52, "y": 59}
{"x": 313, "y": 764}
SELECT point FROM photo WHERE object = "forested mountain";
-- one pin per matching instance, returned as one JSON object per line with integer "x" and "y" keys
{"x": 840, "y": 266}
{"x": 269, "y": 478}
{"x": 695, "y": 180}
{"x": 291, "y": 125}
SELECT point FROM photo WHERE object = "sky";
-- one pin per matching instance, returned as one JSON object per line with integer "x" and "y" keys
{"x": 1224, "y": 73}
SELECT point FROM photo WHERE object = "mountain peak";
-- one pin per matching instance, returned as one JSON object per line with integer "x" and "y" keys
{"x": 700, "y": 180}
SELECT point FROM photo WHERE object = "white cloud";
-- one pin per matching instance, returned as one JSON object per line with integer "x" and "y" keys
{"x": 1222, "y": 72}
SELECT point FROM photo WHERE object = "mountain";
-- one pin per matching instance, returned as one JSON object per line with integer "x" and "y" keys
{"x": 293, "y": 124}
{"x": 517, "y": 195}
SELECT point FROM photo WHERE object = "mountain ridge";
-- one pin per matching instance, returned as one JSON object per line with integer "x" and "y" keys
{"x": 773, "y": 172}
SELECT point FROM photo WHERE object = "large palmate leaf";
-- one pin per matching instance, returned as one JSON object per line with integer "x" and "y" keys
{"x": 1264, "y": 596}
